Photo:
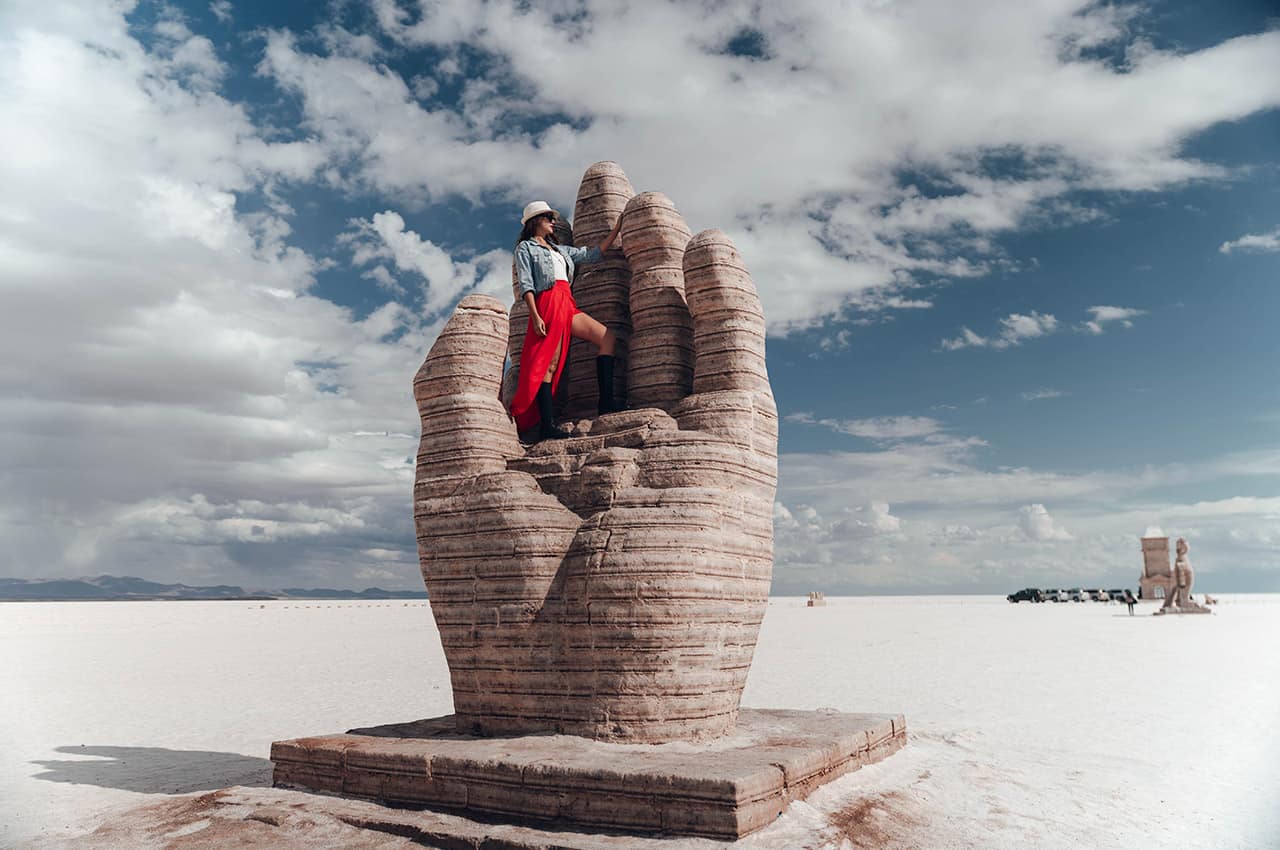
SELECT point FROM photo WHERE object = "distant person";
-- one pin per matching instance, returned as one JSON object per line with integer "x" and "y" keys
{"x": 544, "y": 269}
{"x": 1129, "y": 600}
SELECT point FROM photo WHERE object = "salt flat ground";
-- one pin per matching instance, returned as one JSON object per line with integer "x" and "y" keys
{"x": 1062, "y": 726}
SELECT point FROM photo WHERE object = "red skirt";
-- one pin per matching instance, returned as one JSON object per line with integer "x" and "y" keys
{"x": 557, "y": 308}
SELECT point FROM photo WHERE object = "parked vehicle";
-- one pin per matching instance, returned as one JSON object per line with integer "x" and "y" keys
{"x": 1074, "y": 594}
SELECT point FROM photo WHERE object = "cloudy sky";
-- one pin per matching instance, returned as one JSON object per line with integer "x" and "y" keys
{"x": 1020, "y": 260}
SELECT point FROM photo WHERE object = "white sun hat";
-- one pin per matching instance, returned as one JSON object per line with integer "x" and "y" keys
{"x": 536, "y": 208}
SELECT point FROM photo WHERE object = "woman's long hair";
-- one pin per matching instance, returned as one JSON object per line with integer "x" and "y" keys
{"x": 526, "y": 232}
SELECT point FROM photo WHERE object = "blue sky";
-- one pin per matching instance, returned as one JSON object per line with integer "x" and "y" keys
{"x": 1019, "y": 263}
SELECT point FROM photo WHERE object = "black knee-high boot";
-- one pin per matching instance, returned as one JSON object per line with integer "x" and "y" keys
{"x": 604, "y": 385}
{"x": 547, "y": 429}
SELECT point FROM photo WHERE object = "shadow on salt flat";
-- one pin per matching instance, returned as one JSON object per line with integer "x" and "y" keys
{"x": 155, "y": 770}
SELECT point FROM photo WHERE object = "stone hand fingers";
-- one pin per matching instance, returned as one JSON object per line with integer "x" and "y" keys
{"x": 731, "y": 394}
{"x": 728, "y": 322}
{"x": 610, "y": 585}
{"x": 600, "y": 289}
{"x": 660, "y": 366}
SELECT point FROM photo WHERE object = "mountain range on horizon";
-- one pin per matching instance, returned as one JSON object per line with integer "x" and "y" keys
{"x": 115, "y": 588}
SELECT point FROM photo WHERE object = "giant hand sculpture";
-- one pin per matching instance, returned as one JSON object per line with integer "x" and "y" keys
{"x": 610, "y": 585}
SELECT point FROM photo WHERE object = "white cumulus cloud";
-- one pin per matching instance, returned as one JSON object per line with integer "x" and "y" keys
{"x": 183, "y": 403}
{"x": 874, "y": 428}
{"x": 1035, "y": 522}
{"x": 444, "y": 280}
{"x": 1014, "y": 329}
{"x": 1261, "y": 243}
{"x": 185, "y": 408}
{"x": 1042, "y": 393}
{"x": 922, "y": 88}
{"x": 1103, "y": 314}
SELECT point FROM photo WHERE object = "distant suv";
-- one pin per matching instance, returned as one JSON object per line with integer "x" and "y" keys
{"x": 1054, "y": 595}
{"x": 1027, "y": 594}
{"x": 1075, "y": 594}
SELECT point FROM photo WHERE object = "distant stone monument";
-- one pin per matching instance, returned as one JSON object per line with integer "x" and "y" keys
{"x": 1179, "y": 601}
{"x": 604, "y": 590}
{"x": 1157, "y": 579}
{"x": 817, "y": 599}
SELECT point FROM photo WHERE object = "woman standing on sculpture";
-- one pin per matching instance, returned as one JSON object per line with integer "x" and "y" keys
{"x": 544, "y": 270}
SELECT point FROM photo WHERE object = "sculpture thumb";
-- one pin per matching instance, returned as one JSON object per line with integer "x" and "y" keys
{"x": 465, "y": 429}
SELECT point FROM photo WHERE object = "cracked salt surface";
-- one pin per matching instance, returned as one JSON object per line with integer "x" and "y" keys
{"x": 1047, "y": 726}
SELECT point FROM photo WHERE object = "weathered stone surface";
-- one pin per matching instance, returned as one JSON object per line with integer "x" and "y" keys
{"x": 1178, "y": 600}
{"x": 728, "y": 324}
{"x": 462, "y": 419}
{"x": 723, "y": 789}
{"x": 610, "y": 585}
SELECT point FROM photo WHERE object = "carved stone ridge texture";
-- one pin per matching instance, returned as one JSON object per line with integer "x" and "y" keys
{"x": 1155, "y": 557}
{"x": 610, "y": 585}
{"x": 1157, "y": 579}
{"x": 654, "y": 237}
{"x": 602, "y": 289}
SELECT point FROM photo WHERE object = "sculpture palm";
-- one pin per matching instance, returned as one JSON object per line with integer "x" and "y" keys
{"x": 611, "y": 585}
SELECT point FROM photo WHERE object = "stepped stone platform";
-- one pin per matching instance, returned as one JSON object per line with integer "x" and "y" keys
{"x": 723, "y": 788}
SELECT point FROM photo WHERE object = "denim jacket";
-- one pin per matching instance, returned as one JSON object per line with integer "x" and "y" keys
{"x": 535, "y": 269}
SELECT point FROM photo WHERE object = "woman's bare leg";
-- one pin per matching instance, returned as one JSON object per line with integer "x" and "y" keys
{"x": 585, "y": 327}
{"x": 555, "y": 361}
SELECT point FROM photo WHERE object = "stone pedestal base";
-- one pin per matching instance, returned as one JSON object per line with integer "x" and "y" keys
{"x": 723, "y": 789}
{"x": 1189, "y": 609}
